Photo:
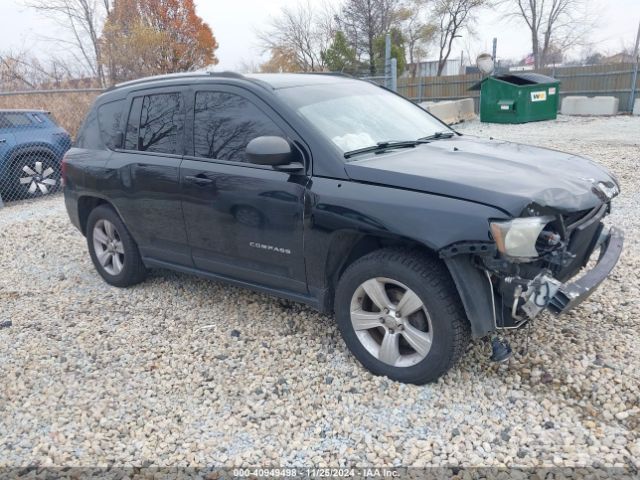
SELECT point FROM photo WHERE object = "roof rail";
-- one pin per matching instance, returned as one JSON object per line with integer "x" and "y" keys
{"x": 172, "y": 76}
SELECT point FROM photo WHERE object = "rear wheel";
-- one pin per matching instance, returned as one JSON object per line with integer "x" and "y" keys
{"x": 113, "y": 251}
{"x": 399, "y": 313}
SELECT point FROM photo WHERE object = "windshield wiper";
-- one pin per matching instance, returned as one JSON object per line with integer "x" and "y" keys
{"x": 382, "y": 147}
{"x": 436, "y": 136}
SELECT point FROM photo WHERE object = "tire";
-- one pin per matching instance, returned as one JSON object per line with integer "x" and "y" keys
{"x": 429, "y": 341}
{"x": 33, "y": 175}
{"x": 113, "y": 251}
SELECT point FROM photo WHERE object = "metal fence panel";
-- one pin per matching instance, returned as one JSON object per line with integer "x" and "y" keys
{"x": 609, "y": 80}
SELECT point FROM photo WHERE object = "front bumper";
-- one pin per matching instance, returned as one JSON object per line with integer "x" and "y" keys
{"x": 573, "y": 294}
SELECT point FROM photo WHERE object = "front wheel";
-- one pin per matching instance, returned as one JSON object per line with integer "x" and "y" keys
{"x": 400, "y": 315}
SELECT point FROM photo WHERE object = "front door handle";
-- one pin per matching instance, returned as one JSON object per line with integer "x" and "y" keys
{"x": 3, "y": 140}
{"x": 198, "y": 180}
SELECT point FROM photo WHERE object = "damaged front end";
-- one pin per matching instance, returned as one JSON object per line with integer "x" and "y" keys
{"x": 528, "y": 266}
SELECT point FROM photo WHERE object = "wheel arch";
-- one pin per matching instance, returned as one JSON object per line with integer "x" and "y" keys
{"x": 348, "y": 247}
{"x": 20, "y": 151}
{"x": 88, "y": 203}
{"x": 474, "y": 289}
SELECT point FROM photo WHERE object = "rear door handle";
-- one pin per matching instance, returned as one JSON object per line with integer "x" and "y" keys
{"x": 198, "y": 180}
{"x": 3, "y": 140}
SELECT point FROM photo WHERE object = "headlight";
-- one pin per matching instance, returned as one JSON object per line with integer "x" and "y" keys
{"x": 517, "y": 238}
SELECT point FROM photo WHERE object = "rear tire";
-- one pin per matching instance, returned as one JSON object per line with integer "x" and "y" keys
{"x": 411, "y": 340}
{"x": 113, "y": 251}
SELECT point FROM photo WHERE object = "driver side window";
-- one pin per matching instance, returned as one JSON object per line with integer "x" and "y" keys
{"x": 225, "y": 123}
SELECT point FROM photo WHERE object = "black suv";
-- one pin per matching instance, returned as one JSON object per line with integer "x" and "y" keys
{"x": 342, "y": 195}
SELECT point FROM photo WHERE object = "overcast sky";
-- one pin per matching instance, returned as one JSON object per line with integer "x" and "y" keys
{"x": 234, "y": 23}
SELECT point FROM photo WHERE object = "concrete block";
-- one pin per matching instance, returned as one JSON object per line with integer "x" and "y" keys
{"x": 452, "y": 111}
{"x": 467, "y": 109}
{"x": 446, "y": 111}
{"x": 590, "y": 106}
{"x": 636, "y": 108}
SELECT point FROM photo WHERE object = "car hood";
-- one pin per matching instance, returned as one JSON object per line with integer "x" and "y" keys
{"x": 509, "y": 176}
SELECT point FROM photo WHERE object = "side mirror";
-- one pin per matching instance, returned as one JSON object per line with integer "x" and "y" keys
{"x": 269, "y": 151}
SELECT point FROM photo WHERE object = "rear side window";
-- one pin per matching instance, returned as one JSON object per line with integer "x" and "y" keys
{"x": 14, "y": 120}
{"x": 110, "y": 121}
{"x": 156, "y": 124}
{"x": 225, "y": 123}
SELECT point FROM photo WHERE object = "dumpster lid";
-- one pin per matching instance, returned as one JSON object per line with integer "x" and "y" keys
{"x": 519, "y": 78}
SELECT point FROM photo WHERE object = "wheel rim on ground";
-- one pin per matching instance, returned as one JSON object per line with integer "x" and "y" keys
{"x": 391, "y": 322}
{"x": 37, "y": 177}
{"x": 108, "y": 247}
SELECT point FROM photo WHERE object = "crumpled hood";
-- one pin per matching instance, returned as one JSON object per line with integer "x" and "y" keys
{"x": 505, "y": 175}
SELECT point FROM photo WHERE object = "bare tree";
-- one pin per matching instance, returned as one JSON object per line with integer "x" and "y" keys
{"x": 297, "y": 38}
{"x": 363, "y": 21}
{"x": 19, "y": 70}
{"x": 554, "y": 25}
{"x": 453, "y": 17}
{"x": 84, "y": 20}
{"x": 417, "y": 29}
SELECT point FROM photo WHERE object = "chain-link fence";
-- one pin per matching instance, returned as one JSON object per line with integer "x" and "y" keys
{"x": 32, "y": 146}
{"x": 33, "y": 141}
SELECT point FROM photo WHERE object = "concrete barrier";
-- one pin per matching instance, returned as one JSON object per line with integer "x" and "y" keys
{"x": 467, "y": 109}
{"x": 452, "y": 111}
{"x": 590, "y": 106}
{"x": 636, "y": 108}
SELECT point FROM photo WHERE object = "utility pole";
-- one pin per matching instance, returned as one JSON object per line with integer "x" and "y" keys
{"x": 394, "y": 74}
{"x": 387, "y": 60}
{"x": 495, "y": 51}
{"x": 634, "y": 77}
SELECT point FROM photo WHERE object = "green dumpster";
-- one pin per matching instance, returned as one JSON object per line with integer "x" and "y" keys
{"x": 518, "y": 97}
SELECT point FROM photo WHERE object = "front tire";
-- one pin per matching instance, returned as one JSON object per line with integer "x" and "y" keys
{"x": 113, "y": 251}
{"x": 400, "y": 314}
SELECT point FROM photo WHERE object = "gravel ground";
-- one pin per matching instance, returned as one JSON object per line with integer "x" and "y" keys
{"x": 181, "y": 371}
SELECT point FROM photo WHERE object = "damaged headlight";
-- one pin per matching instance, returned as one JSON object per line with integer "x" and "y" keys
{"x": 517, "y": 238}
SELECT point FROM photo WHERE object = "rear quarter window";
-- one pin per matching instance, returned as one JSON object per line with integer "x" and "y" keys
{"x": 89, "y": 134}
{"x": 110, "y": 123}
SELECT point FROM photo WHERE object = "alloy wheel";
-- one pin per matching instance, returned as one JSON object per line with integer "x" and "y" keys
{"x": 38, "y": 178}
{"x": 108, "y": 247}
{"x": 391, "y": 322}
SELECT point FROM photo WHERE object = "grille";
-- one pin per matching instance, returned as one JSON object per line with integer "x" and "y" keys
{"x": 575, "y": 217}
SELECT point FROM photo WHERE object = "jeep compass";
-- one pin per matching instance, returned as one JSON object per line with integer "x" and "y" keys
{"x": 342, "y": 195}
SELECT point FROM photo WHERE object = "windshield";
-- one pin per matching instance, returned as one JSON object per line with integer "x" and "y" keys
{"x": 355, "y": 115}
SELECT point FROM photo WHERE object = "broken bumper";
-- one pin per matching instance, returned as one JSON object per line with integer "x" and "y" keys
{"x": 573, "y": 294}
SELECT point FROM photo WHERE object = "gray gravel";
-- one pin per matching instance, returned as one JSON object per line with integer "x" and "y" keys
{"x": 93, "y": 375}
